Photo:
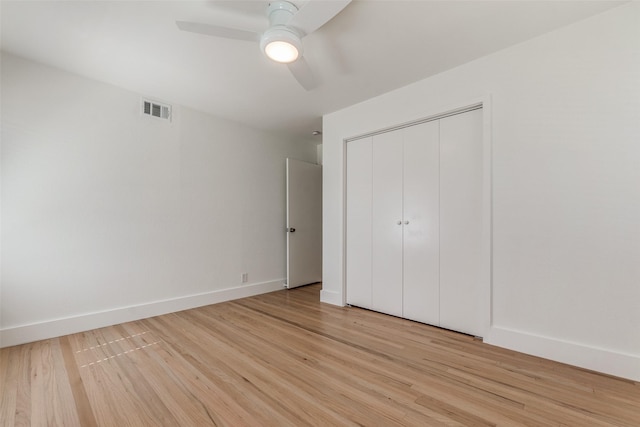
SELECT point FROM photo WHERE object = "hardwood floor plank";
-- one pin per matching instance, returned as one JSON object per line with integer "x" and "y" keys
{"x": 9, "y": 372}
{"x": 52, "y": 402}
{"x": 285, "y": 359}
{"x": 23, "y": 394}
{"x": 80, "y": 399}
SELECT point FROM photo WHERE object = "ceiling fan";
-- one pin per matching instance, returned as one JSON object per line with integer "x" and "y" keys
{"x": 282, "y": 40}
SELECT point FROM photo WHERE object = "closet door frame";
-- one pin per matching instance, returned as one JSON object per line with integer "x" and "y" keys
{"x": 486, "y": 279}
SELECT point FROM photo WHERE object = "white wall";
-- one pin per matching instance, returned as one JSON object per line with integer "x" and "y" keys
{"x": 565, "y": 182}
{"x": 109, "y": 216}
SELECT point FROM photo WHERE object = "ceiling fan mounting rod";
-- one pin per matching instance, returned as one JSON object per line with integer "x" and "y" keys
{"x": 280, "y": 12}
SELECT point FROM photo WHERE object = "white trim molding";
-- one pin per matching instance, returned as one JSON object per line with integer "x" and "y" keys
{"x": 84, "y": 322}
{"x": 593, "y": 358}
{"x": 331, "y": 297}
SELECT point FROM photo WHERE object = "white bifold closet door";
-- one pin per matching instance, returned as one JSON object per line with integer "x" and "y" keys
{"x": 421, "y": 217}
{"x": 414, "y": 222}
{"x": 387, "y": 220}
{"x": 461, "y": 222}
{"x": 392, "y": 185}
{"x": 359, "y": 194}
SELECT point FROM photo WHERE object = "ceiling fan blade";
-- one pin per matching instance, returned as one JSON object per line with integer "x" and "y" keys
{"x": 315, "y": 13}
{"x": 303, "y": 74}
{"x": 217, "y": 31}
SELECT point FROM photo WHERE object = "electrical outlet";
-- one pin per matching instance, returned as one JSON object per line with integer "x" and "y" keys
{"x": 245, "y": 277}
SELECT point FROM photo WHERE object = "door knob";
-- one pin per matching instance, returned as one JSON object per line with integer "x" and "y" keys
{"x": 399, "y": 223}
{"x": 406, "y": 222}
{"x": 291, "y": 230}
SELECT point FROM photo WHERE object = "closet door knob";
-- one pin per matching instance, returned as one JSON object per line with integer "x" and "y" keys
{"x": 399, "y": 222}
{"x": 406, "y": 222}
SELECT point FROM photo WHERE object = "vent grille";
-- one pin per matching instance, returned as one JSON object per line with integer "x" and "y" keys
{"x": 155, "y": 109}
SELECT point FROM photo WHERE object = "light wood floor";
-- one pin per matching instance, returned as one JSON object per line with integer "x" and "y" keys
{"x": 285, "y": 359}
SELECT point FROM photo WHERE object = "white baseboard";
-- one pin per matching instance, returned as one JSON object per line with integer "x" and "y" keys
{"x": 331, "y": 297}
{"x": 84, "y": 322}
{"x": 596, "y": 359}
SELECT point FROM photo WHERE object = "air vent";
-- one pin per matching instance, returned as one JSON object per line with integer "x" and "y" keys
{"x": 156, "y": 109}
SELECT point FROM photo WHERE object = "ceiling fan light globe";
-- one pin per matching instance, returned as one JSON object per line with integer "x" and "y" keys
{"x": 281, "y": 51}
{"x": 281, "y": 44}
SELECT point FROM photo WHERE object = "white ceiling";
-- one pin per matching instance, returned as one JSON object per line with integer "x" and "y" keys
{"x": 371, "y": 47}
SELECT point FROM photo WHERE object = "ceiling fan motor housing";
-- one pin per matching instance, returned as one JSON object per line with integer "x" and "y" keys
{"x": 280, "y": 12}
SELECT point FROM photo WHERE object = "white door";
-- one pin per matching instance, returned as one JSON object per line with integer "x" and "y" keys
{"x": 461, "y": 222}
{"x": 421, "y": 298}
{"x": 358, "y": 249}
{"x": 386, "y": 247}
{"x": 304, "y": 223}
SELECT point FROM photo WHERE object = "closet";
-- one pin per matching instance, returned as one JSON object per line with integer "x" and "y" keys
{"x": 414, "y": 222}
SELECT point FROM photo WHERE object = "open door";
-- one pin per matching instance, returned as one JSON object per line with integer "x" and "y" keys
{"x": 304, "y": 223}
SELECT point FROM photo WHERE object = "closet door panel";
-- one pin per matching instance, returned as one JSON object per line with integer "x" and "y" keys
{"x": 421, "y": 223}
{"x": 386, "y": 214}
{"x": 461, "y": 222}
{"x": 358, "y": 252}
